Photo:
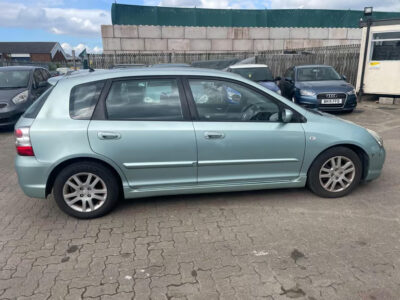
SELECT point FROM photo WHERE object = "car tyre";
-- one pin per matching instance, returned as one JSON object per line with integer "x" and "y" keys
{"x": 90, "y": 189}
{"x": 335, "y": 165}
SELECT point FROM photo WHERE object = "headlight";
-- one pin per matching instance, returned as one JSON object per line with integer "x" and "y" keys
{"x": 352, "y": 92}
{"x": 279, "y": 92}
{"x": 307, "y": 93}
{"x": 376, "y": 136}
{"x": 20, "y": 98}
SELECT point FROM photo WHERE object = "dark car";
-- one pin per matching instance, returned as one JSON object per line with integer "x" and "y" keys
{"x": 258, "y": 73}
{"x": 318, "y": 86}
{"x": 19, "y": 88}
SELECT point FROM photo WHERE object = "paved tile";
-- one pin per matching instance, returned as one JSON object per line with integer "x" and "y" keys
{"x": 251, "y": 245}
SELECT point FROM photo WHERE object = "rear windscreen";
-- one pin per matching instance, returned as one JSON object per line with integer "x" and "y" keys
{"x": 33, "y": 110}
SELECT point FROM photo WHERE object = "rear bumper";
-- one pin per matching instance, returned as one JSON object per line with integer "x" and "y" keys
{"x": 32, "y": 176}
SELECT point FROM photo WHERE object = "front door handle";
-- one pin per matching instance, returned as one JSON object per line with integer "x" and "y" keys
{"x": 212, "y": 135}
{"x": 108, "y": 135}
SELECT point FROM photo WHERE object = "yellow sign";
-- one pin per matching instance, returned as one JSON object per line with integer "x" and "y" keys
{"x": 374, "y": 63}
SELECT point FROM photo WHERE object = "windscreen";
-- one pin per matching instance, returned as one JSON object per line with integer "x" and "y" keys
{"x": 254, "y": 74}
{"x": 317, "y": 74}
{"x": 14, "y": 79}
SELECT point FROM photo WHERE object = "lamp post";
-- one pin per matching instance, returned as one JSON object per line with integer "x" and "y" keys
{"x": 368, "y": 16}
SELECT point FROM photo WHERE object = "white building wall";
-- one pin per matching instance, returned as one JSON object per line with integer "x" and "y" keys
{"x": 133, "y": 38}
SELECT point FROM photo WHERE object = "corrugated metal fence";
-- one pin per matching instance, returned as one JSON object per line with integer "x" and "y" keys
{"x": 343, "y": 58}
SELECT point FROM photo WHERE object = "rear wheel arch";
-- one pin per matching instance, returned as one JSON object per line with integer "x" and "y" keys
{"x": 362, "y": 154}
{"x": 56, "y": 170}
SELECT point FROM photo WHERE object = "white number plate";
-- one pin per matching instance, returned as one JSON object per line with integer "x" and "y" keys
{"x": 331, "y": 101}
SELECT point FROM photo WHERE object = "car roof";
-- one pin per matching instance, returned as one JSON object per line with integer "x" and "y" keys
{"x": 242, "y": 66}
{"x": 22, "y": 68}
{"x": 312, "y": 66}
{"x": 173, "y": 71}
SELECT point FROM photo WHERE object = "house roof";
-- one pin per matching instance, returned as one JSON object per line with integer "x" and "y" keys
{"x": 31, "y": 48}
{"x": 26, "y": 47}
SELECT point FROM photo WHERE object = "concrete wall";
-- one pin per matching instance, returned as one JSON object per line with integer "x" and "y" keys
{"x": 132, "y": 38}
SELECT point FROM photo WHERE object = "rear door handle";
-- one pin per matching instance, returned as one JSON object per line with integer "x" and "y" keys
{"x": 108, "y": 135}
{"x": 212, "y": 135}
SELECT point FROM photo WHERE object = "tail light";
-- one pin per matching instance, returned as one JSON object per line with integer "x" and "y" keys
{"x": 23, "y": 142}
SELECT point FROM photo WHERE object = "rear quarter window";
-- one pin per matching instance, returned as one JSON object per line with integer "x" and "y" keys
{"x": 33, "y": 110}
{"x": 83, "y": 100}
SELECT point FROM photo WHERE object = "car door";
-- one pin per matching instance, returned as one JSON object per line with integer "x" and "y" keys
{"x": 143, "y": 125}
{"x": 235, "y": 146}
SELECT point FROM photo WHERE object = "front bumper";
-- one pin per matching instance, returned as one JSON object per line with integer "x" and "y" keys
{"x": 11, "y": 115}
{"x": 312, "y": 102}
{"x": 32, "y": 176}
{"x": 376, "y": 161}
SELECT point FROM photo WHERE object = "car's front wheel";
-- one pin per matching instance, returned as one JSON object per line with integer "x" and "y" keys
{"x": 86, "y": 190}
{"x": 335, "y": 172}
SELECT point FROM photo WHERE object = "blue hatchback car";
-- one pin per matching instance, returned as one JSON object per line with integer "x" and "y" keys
{"x": 318, "y": 86}
{"x": 95, "y": 137}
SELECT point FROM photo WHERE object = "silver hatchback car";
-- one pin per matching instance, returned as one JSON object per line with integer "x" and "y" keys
{"x": 94, "y": 138}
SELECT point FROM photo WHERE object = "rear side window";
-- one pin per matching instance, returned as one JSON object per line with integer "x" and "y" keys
{"x": 33, "y": 110}
{"x": 83, "y": 100}
{"x": 148, "y": 99}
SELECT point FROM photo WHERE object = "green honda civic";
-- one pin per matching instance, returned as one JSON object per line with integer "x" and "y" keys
{"x": 98, "y": 137}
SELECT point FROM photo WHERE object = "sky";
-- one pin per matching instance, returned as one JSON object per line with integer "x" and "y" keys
{"x": 75, "y": 24}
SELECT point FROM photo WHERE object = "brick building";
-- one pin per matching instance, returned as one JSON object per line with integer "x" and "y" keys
{"x": 32, "y": 51}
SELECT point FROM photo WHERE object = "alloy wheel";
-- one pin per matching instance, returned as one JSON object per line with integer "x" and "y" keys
{"x": 337, "y": 174}
{"x": 85, "y": 192}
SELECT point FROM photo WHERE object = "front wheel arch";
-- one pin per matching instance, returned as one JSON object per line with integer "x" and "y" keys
{"x": 53, "y": 174}
{"x": 357, "y": 149}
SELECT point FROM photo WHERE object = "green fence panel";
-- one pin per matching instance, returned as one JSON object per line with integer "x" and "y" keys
{"x": 123, "y": 14}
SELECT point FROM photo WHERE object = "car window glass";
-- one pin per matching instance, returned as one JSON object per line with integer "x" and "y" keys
{"x": 44, "y": 74}
{"x": 255, "y": 74}
{"x": 317, "y": 74}
{"x": 218, "y": 100}
{"x": 37, "y": 76}
{"x": 148, "y": 99}
{"x": 83, "y": 100}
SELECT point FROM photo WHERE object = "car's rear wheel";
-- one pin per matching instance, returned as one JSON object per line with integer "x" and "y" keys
{"x": 335, "y": 172}
{"x": 86, "y": 190}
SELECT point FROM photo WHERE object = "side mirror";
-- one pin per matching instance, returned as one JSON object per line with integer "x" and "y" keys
{"x": 277, "y": 78}
{"x": 344, "y": 77}
{"x": 287, "y": 115}
{"x": 288, "y": 79}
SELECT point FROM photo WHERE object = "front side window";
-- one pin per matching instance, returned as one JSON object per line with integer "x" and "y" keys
{"x": 144, "y": 99}
{"x": 386, "y": 46}
{"x": 38, "y": 77}
{"x": 218, "y": 100}
{"x": 14, "y": 79}
{"x": 83, "y": 100}
{"x": 317, "y": 74}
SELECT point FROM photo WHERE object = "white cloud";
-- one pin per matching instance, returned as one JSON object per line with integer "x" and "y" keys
{"x": 379, "y": 5}
{"x": 80, "y": 47}
{"x": 203, "y": 3}
{"x": 70, "y": 21}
